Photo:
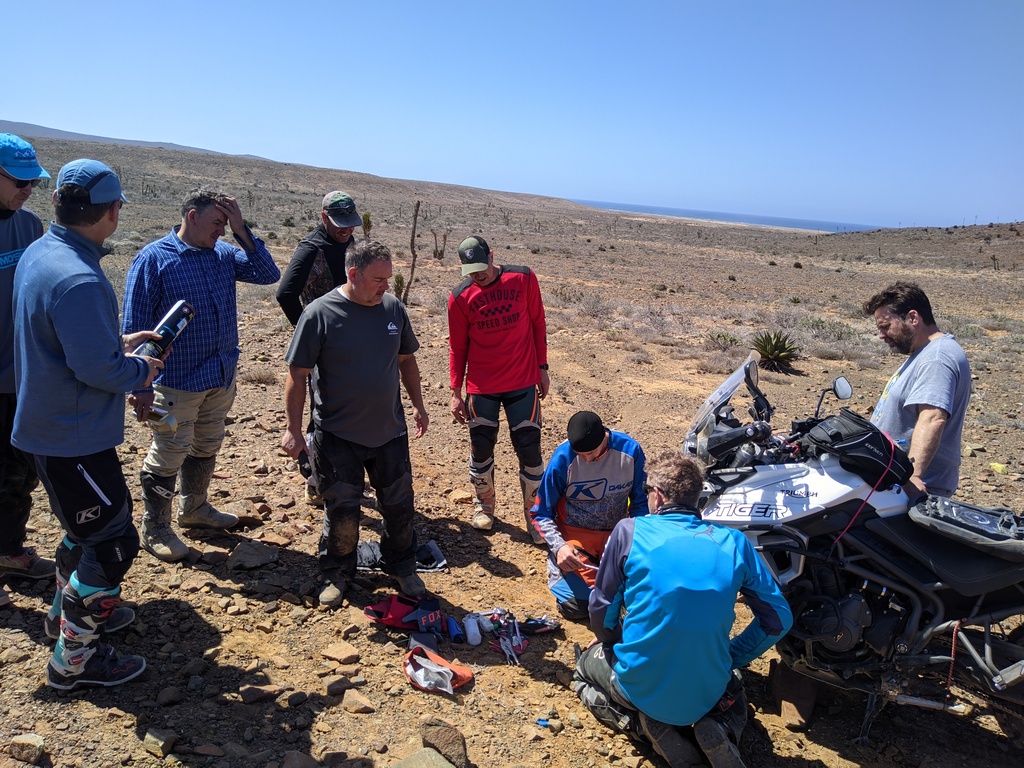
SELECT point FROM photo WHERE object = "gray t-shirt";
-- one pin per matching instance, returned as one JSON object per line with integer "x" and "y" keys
{"x": 938, "y": 375}
{"x": 355, "y": 350}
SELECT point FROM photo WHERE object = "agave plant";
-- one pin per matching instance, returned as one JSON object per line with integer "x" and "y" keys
{"x": 777, "y": 350}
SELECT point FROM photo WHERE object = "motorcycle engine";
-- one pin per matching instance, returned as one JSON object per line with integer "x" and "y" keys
{"x": 838, "y": 625}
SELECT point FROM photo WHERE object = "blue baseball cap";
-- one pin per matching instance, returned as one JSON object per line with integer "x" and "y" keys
{"x": 18, "y": 159}
{"x": 95, "y": 178}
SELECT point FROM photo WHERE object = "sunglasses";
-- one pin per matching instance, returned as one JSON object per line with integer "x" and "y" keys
{"x": 648, "y": 488}
{"x": 22, "y": 183}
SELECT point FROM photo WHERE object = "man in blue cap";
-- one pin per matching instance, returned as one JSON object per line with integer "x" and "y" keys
{"x": 20, "y": 173}
{"x": 72, "y": 369}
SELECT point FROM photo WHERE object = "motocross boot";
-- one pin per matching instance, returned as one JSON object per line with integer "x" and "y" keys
{"x": 483, "y": 485}
{"x": 194, "y": 510}
{"x": 79, "y": 657}
{"x": 67, "y": 559}
{"x": 157, "y": 536}
{"x": 529, "y": 482}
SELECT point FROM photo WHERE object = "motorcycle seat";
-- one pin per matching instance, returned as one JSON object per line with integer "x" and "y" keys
{"x": 968, "y": 571}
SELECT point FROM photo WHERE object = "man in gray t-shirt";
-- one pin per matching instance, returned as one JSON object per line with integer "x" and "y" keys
{"x": 359, "y": 340}
{"x": 923, "y": 406}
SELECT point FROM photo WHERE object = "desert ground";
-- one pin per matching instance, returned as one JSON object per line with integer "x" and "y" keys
{"x": 645, "y": 316}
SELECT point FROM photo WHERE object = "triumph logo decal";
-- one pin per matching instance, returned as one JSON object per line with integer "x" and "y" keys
{"x": 88, "y": 515}
{"x": 799, "y": 493}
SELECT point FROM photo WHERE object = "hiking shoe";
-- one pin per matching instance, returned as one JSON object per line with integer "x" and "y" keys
{"x": 669, "y": 742}
{"x": 106, "y": 667}
{"x": 411, "y": 585}
{"x": 163, "y": 543}
{"x": 483, "y": 518}
{"x": 119, "y": 619}
{"x": 205, "y": 516}
{"x": 532, "y": 530}
{"x": 332, "y": 593}
{"x": 313, "y": 496}
{"x": 27, "y": 565}
{"x": 716, "y": 745}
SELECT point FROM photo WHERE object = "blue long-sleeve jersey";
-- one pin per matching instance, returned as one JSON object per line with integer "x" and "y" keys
{"x": 665, "y": 597}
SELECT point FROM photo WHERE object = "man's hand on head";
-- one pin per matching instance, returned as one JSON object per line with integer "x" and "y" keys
{"x": 230, "y": 208}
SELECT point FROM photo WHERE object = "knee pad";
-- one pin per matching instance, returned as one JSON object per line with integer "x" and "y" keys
{"x": 526, "y": 443}
{"x": 115, "y": 556}
{"x": 398, "y": 493}
{"x": 572, "y": 610}
{"x": 67, "y": 559}
{"x": 481, "y": 444}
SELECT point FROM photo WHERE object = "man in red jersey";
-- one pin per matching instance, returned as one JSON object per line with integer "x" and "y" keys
{"x": 497, "y": 340}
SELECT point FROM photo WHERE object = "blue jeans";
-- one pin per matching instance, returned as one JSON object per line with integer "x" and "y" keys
{"x": 338, "y": 467}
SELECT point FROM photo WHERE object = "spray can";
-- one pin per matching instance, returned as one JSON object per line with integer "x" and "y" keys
{"x": 169, "y": 327}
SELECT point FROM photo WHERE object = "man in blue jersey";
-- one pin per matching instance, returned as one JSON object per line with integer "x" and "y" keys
{"x": 662, "y": 609}
{"x": 594, "y": 479}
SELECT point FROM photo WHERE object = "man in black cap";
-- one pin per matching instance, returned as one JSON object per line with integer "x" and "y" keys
{"x": 317, "y": 267}
{"x": 594, "y": 479}
{"x": 497, "y": 338}
{"x": 20, "y": 172}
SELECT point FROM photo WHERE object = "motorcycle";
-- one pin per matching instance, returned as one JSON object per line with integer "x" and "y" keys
{"x": 918, "y": 604}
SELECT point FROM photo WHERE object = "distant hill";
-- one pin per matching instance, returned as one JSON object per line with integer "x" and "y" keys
{"x": 28, "y": 130}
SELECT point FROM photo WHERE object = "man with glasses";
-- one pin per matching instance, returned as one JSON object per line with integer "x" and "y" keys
{"x": 662, "y": 612}
{"x": 317, "y": 267}
{"x": 20, "y": 172}
{"x": 197, "y": 387}
{"x": 594, "y": 480}
{"x": 73, "y": 368}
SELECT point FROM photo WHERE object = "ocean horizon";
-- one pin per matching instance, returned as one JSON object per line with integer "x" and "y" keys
{"x": 733, "y": 218}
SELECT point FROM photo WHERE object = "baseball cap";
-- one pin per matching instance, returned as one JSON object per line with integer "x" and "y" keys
{"x": 18, "y": 159}
{"x": 585, "y": 431}
{"x": 341, "y": 210}
{"x": 95, "y": 178}
{"x": 474, "y": 253}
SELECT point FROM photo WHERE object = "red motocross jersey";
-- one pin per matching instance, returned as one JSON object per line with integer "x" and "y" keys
{"x": 498, "y": 333}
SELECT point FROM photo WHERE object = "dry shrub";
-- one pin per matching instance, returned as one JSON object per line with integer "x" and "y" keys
{"x": 259, "y": 376}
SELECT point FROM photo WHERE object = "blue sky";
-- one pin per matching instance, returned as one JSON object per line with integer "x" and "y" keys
{"x": 887, "y": 112}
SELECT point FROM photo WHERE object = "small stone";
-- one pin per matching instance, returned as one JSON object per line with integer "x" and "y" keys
{"x": 168, "y": 696}
{"x": 27, "y": 747}
{"x": 343, "y": 652}
{"x": 446, "y": 739}
{"x": 356, "y": 703}
{"x": 209, "y": 750}
{"x": 294, "y": 759}
{"x": 159, "y": 741}
{"x": 336, "y": 685}
{"x": 252, "y": 693}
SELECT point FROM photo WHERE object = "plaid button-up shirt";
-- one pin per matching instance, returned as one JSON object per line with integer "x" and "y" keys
{"x": 205, "y": 356}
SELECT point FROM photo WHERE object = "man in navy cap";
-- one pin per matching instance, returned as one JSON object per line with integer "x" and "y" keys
{"x": 20, "y": 172}
{"x": 72, "y": 369}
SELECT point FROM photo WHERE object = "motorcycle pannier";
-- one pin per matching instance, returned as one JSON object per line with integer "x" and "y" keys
{"x": 994, "y": 530}
{"x": 861, "y": 447}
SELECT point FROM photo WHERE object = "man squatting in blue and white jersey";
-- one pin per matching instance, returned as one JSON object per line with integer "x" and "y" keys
{"x": 594, "y": 479}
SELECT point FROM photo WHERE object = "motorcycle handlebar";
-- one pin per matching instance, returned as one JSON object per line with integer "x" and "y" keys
{"x": 721, "y": 443}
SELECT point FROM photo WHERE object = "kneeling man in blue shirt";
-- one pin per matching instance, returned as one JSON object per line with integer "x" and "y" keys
{"x": 662, "y": 609}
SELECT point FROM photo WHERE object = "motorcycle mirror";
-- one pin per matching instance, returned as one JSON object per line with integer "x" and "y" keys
{"x": 842, "y": 388}
{"x": 761, "y": 409}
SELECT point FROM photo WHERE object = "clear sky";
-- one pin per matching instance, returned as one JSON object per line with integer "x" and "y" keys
{"x": 887, "y": 112}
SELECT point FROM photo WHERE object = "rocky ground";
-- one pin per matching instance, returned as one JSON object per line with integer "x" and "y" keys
{"x": 646, "y": 315}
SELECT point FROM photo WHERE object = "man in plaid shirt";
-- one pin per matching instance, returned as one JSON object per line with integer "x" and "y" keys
{"x": 197, "y": 386}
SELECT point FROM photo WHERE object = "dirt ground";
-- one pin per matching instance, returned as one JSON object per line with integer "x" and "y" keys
{"x": 645, "y": 316}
